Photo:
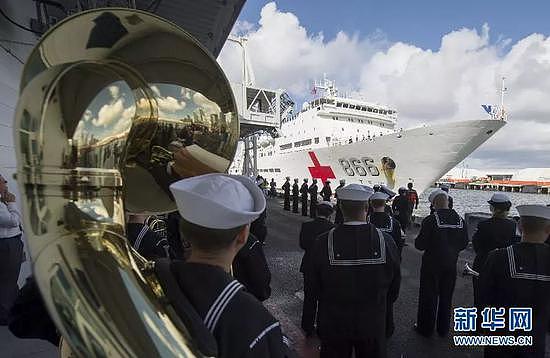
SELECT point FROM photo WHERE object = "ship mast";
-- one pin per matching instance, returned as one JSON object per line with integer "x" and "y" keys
{"x": 502, "y": 115}
{"x": 326, "y": 85}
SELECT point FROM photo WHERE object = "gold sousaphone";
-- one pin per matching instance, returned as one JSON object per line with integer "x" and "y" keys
{"x": 115, "y": 104}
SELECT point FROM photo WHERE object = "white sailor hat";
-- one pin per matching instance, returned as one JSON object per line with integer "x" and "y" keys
{"x": 499, "y": 198}
{"x": 218, "y": 201}
{"x": 379, "y": 196}
{"x": 388, "y": 191}
{"x": 326, "y": 203}
{"x": 354, "y": 192}
{"x": 435, "y": 194}
{"x": 539, "y": 211}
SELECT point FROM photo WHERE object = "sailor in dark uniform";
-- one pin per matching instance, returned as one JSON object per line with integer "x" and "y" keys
{"x": 339, "y": 218}
{"x": 442, "y": 236}
{"x": 308, "y": 235}
{"x": 402, "y": 208}
{"x": 326, "y": 192}
{"x": 217, "y": 227}
{"x": 295, "y": 195}
{"x": 313, "y": 199}
{"x": 303, "y": 195}
{"x": 391, "y": 194}
{"x": 250, "y": 268}
{"x": 519, "y": 276}
{"x": 387, "y": 224}
{"x": 145, "y": 240}
{"x": 382, "y": 220}
{"x": 494, "y": 233}
{"x": 286, "y": 195}
{"x": 355, "y": 273}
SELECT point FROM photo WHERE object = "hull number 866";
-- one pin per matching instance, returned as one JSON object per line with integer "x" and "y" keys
{"x": 361, "y": 167}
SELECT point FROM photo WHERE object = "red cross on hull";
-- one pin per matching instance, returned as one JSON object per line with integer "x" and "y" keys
{"x": 318, "y": 171}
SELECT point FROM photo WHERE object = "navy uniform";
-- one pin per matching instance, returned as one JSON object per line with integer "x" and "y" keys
{"x": 250, "y": 268}
{"x": 493, "y": 233}
{"x": 147, "y": 242}
{"x": 240, "y": 324}
{"x": 313, "y": 198}
{"x": 258, "y": 228}
{"x": 308, "y": 235}
{"x": 387, "y": 224}
{"x": 303, "y": 192}
{"x": 326, "y": 192}
{"x": 295, "y": 195}
{"x": 286, "y": 195}
{"x": 519, "y": 276}
{"x": 339, "y": 218}
{"x": 355, "y": 273}
{"x": 442, "y": 236}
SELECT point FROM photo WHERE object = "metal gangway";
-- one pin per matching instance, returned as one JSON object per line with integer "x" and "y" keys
{"x": 260, "y": 110}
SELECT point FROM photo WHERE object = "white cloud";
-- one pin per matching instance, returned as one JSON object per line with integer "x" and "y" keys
{"x": 114, "y": 91}
{"x": 444, "y": 84}
{"x": 170, "y": 104}
{"x": 208, "y": 106}
{"x": 284, "y": 55}
{"x": 109, "y": 113}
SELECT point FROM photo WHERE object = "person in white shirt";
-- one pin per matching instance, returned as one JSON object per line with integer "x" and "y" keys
{"x": 11, "y": 250}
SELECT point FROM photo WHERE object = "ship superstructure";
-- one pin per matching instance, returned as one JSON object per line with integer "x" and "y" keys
{"x": 338, "y": 137}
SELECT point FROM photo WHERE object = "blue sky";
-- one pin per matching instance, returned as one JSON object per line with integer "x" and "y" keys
{"x": 420, "y": 22}
{"x": 434, "y": 61}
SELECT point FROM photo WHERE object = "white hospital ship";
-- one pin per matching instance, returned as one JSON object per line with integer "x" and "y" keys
{"x": 334, "y": 137}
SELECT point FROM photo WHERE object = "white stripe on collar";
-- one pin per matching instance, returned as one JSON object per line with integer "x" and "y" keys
{"x": 140, "y": 237}
{"x": 262, "y": 334}
{"x": 356, "y": 262}
{"x": 351, "y": 223}
{"x": 521, "y": 275}
{"x": 220, "y": 304}
{"x": 460, "y": 224}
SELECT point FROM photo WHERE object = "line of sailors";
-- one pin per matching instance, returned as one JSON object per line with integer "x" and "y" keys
{"x": 351, "y": 271}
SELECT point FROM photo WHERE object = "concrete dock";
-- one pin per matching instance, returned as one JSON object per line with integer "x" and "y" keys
{"x": 284, "y": 255}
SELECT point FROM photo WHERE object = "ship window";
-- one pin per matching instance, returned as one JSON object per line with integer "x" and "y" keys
{"x": 271, "y": 170}
{"x": 363, "y": 108}
{"x": 352, "y": 106}
{"x": 375, "y": 110}
{"x": 345, "y": 105}
{"x": 338, "y": 104}
{"x": 342, "y": 129}
{"x": 286, "y": 146}
{"x": 369, "y": 109}
{"x": 302, "y": 143}
{"x": 277, "y": 170}
{"x": 317, "y": 140}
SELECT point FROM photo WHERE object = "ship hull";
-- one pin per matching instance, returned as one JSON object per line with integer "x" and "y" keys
{"x": 419, "y": 155}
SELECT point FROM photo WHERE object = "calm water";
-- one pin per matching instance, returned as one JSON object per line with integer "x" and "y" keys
{"x": 476, "y": 200}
